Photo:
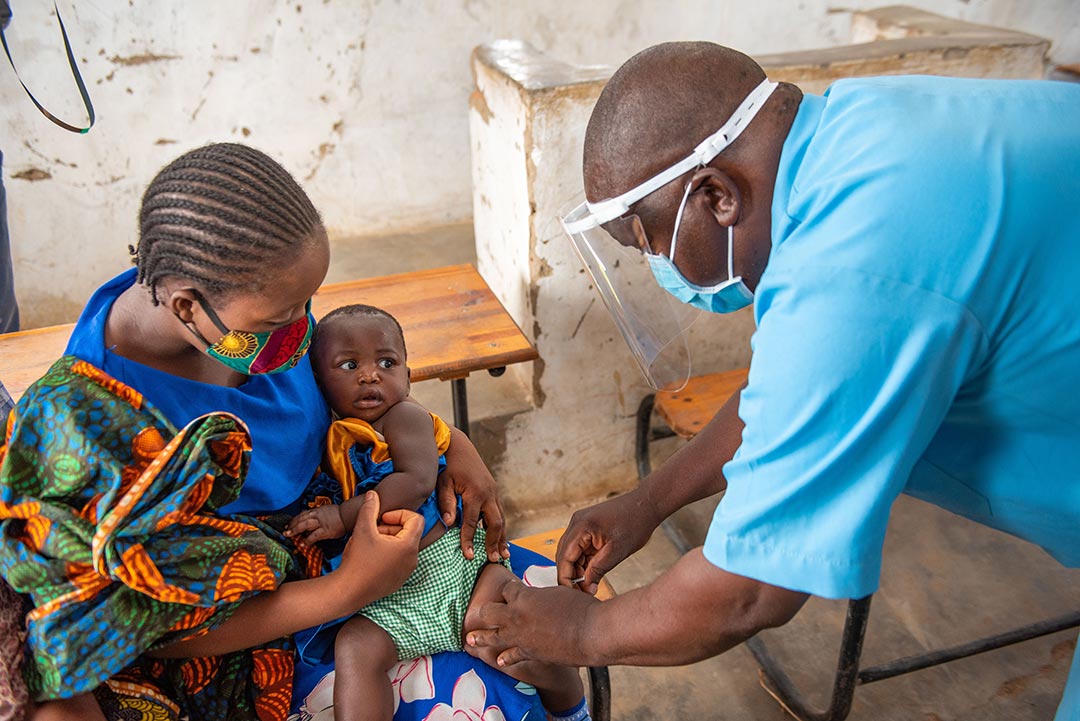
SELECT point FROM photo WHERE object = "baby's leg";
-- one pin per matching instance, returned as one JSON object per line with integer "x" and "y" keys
{"x": 363, "y": 653}
{"x": 560, "y": 687}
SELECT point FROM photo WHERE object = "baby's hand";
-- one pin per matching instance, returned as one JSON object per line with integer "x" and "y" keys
{"x": 316, "y": 524}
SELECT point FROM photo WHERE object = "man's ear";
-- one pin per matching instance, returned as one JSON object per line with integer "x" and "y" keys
{"x": 722, "y": 193}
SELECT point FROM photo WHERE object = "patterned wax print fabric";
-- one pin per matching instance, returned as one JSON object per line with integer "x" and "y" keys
{"x": 444, "y": 687}
{"x": 108, "y": 524}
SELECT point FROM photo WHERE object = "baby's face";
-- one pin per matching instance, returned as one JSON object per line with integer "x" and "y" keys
{"x": 361, "y": 366}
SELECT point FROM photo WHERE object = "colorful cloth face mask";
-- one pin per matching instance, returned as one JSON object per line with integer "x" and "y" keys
{"x": 256, "y": 353}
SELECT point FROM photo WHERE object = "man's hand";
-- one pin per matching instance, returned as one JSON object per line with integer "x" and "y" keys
{"x": 316, "y": 524}
{"x": 694, "y": 610}
{"x": 601, "y": 537}
{"x": 468, "y": 477}
{"x": 540, "y": 624}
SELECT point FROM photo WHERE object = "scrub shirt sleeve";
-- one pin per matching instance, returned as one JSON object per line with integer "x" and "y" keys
{"x": 850, "y": 378}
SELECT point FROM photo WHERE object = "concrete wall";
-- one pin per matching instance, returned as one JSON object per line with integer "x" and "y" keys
{"x": 364, "y": 100}
{"x": 528, "y": 120}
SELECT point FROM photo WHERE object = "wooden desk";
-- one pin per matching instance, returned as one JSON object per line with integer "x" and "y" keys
{"x": 453, "y": 325}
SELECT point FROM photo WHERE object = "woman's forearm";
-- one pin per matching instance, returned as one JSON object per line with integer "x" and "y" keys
{"x": 292, "y": 607}
{"x": 376, "y": 561}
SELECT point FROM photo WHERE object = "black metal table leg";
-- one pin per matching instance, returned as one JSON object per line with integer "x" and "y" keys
{"x": 641, "y": 436}
{"x": 987, "y": 643}
{"x": 599, "y": 693}
{"x": 847, "y": 669}
{"x": 461, "y": 404}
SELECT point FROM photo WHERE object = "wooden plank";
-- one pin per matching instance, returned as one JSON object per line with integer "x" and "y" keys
{"x": 546, "y": 544}
{"x": 453, "y": 325}
{"x": 27, "y": 354}
{"x": 689, "y": 410}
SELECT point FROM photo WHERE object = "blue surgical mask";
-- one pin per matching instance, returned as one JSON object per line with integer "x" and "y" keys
{"x": 725, "y": 297}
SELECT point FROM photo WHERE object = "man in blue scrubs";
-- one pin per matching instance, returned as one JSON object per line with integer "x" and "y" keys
{"x": 911, "y": 248}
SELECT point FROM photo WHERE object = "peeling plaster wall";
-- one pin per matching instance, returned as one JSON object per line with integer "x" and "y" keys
{"x": 366, "y": 101}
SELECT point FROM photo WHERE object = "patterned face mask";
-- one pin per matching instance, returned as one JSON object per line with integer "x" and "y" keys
{"x": 255, "y": 353}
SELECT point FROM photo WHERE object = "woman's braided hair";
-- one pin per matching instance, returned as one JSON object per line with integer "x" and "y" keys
{"x": 221, "y": 216}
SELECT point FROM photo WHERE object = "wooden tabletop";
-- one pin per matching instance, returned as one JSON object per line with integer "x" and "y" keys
{"x": 453, "y": 325}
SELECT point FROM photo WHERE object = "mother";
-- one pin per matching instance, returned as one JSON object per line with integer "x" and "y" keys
{"x": 141, "y": 476}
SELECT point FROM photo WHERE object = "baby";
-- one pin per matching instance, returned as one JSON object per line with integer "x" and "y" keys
{"x": 359, "y": 360}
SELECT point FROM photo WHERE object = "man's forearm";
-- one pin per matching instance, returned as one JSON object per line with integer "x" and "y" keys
{"x": 695, "y": 470}
{"x": 692, "y": 612}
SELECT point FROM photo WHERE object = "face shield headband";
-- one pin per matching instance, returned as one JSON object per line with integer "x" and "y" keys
{"x": 614, "y": 251}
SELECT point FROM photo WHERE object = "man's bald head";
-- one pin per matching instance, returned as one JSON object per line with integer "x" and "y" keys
{"x": 659, "y": 105}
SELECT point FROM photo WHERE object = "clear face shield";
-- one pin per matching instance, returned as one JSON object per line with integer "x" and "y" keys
{"x": 614, "y": 248}
{"x": 652, "y": 322}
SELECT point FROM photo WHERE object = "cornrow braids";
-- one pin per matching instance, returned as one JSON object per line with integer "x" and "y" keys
{"x": 221, "y": 216}
{"x": 352, "y": 311}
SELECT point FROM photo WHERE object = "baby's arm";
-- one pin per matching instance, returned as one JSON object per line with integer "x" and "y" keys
{"x": 410, "y": 434}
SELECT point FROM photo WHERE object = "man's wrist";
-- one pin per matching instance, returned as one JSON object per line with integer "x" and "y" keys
{"x": 649, "y": 504}
{"x": 593, "y": 643}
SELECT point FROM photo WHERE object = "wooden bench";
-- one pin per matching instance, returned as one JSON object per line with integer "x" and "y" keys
{"x": 454, "y": 325}
{"x": 684, "y": 414}
{"x": 546, "y": 544}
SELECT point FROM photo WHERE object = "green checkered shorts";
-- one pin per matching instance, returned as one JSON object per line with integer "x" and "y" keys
{"x": 426, "y": 614}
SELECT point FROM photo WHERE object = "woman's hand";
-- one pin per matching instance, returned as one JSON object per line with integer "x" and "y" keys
{"x": 468, "y": 477}
{"x": 380, "y": 555}
{"x": 601, "y": 537}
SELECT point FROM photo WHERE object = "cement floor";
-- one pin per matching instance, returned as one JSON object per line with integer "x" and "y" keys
{"x": 945, "y": 581}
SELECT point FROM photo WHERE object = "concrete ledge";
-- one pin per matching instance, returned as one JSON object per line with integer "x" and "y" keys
{"x": 899, "y": 40}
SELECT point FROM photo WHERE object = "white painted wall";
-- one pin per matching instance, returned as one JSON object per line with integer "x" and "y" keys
{"x": 366, "y": 101}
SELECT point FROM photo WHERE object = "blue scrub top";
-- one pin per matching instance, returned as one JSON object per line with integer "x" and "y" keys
{"x": 285, "y": 412}
{"x": 918, "y": 329}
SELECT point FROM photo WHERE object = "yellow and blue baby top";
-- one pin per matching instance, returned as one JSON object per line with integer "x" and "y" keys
{"x": 358, "y": 458}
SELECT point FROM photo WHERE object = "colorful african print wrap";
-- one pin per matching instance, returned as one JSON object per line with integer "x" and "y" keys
{"x": 108, "y": 523}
